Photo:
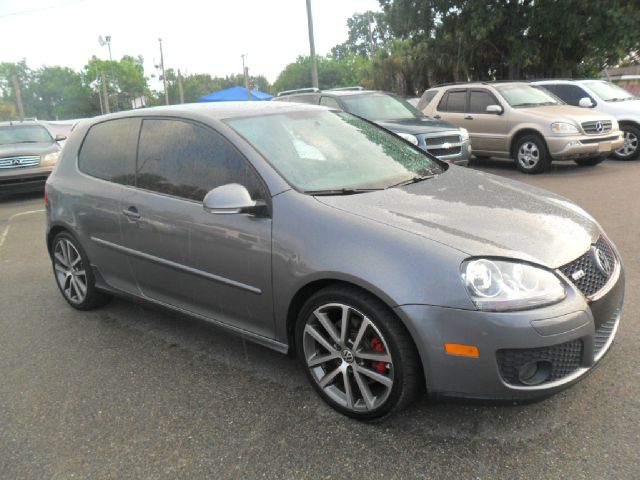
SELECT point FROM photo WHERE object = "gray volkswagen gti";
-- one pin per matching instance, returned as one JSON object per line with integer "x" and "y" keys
{"x": 313, "y": 231}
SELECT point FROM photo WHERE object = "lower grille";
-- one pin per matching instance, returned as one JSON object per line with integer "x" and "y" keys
{"x": 443, "y": 152}
{"x": 428, "y": 141}
{"x": 564, "y": 358}
{"x": 18, "y": 162}
{"x": 597, "y": 127}
{"x": 604, "y": 332}
{"x": 586, "y": 272}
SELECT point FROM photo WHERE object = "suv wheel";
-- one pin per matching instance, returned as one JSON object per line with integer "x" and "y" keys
{"x": 356, "y": 354}
{"x": 73, "y": 274}
{"x": 531, "y": 155}
{"x": 590, "y": 162}
{"x": 630, "y": 150}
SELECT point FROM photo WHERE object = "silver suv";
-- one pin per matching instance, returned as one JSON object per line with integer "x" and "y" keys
{"x": 314, "y": 231}
{"x": 524, "y": 122}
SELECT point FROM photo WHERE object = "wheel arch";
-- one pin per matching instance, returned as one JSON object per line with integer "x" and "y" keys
{"x": 521, "y": 133}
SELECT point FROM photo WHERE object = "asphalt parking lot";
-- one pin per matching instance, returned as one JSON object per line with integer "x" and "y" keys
{"x": 128, "y": 391}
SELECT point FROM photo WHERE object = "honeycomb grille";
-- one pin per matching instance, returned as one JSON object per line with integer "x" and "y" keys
{"x": 584, "y": 271}
{"x": 604, "y": 332}
{"x": 565, "y": 359}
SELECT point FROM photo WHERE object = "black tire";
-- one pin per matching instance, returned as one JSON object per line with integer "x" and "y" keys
{"x": 590, "y": 162}
{"x": 632, "y": 139}
{"x": 530, "y": 154}
{"x": 93, "y": 298}
{"x": 404, "y": 367}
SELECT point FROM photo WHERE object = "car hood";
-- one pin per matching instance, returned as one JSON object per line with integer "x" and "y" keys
{"x": 481, "y": 215}
{"x": 417, "y": 126}
{"x": 17, "y": 149}
{"x": 559, "y": 113}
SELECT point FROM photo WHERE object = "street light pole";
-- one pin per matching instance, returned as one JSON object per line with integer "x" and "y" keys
{"x": 312, "y": 47}
{"x": 246, "y": 77}
{"x": 107, "y": 40}
{"x": 164, "y": 77}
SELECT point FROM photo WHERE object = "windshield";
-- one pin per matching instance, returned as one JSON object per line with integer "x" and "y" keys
{"x": 327, "y": 150}
{"x": 524, "y": 96}
{"x": 381, "y": 107}
{"x": 24, "y": 134}
{"x": 609, "y": 92}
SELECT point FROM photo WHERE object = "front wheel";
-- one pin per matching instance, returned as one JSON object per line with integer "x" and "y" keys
{"x": 630, "y": 150}
{"x": 357, "y": 354}
{"x": 531, "y": 155}
{"x": 590, "y": 162}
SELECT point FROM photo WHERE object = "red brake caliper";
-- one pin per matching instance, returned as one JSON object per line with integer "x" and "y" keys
{"x": 378, "y": 346}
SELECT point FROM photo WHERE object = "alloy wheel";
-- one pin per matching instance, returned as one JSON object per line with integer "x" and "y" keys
{"x": 348, "y": 357}
{"x": 630, "y": 145}
{"x": 70, "y": 272}
{"x": 528, "y": 155}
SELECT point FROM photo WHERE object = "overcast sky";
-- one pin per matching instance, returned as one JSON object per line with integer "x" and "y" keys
{"x": 206, "y": 36}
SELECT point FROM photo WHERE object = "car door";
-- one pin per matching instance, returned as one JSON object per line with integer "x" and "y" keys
{"x": 488, "y": 131}
{"x": 107, "y": 161}
{"x": 452, "y": 107}
{"x": 214, "y": 265}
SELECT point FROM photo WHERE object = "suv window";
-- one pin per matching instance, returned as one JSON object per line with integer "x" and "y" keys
{"x": 109, "y": 150}
{"x": 571, "y": 94}
{"x": 329, "y": 102}
{"x": 479, "y": 100}
{"x": 186, "y": 160}
{"x": 453, "y": 101}
{"x": 312, "y": 99}
{"x": 426, "y": 99}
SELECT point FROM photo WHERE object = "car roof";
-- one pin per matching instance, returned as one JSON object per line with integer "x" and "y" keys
{"x": 18, "y": 123}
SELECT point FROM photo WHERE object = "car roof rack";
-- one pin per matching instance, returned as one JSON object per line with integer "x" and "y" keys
{"x": 448, "y": 84}
{"x": 345, "y": 89}
{"x": 298, "y": 90}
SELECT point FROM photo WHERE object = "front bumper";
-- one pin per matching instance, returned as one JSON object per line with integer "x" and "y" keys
{"x": 575, "y": 334}
{"x": 452, "y": 149}
{"x": 581, "y": 146}
{"x": 24, "y": 179}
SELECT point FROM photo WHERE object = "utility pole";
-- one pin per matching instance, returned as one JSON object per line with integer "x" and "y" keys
{"x": 164, "y": 77}
{"x": 312, "y": 47}
{"x": 245, "y": 72}
{"x": 180, "y": 87}
{"x": 104, "y": 93}
{"x": 373, "y": 48}
{"x": 16, "y": 87}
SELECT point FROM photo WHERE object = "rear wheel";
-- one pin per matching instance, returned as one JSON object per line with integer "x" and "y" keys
{"x": 630, "y": 150}
{"x": 531, "y": 155}
{"x": 590, "y": 162}
{"x": 73, "y": 273}
{"x": 356, "y": 354}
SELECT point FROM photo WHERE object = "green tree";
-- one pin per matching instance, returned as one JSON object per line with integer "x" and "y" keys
{"x": 62, "y": 94}
{"x": 348, "y": 71}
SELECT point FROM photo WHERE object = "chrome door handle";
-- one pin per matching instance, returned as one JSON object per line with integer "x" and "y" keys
{"x": 437, "y": 117}
{"x": 468, "y": 117}
{"x": 131, "y": 213}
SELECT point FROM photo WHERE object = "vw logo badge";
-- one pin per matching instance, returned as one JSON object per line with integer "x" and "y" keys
{"x": 603, "y": 262}
{"x": 599, "y": 127}
{"x": 347, "y": 356}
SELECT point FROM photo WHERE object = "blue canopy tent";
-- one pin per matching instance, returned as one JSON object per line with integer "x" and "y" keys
{"x": 235, "y": 94}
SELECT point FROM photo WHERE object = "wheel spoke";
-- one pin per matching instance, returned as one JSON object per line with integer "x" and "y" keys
{"x": 347, "y": 388}
{"x": 328, "y": 325}
{"x": 81, "y": 287}
{"x": 60, "y": 257}
{"x": 328, "y": 378}
{"x": 344, "y": 325}
{"x": 309, "y": 330}
{"x": 367, "y": 396}
{"x": 363, "y": 327}
{"x": 378, "y": 377}
{"x": 60, "y": 268}
{"x": 374, "y": 357}
{"x": 316, "y": 359}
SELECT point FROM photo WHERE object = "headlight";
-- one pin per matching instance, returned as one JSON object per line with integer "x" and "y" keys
{"x": 562, "y": 128}
{"x": 499, "y": 285}
{"x": 50, "y": 157}
{"x": 464, "y": 133}
{"x": 411, "y": 138}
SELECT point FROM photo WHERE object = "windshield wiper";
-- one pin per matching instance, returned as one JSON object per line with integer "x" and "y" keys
{"x": 340, "y": 191}
{"x": 414, "y": 179}
{"x": 28, "y": 141}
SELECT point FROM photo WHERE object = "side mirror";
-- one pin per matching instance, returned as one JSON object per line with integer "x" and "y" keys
{"x": 232, "y": 198}
{"x": 494, "y": 109}
{"x": 60, "y": 137}
{"x": 585, "y": 102}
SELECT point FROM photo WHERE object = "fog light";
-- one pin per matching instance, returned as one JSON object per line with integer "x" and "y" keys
{"x": 534, "y": 372}
{"x": 573, "y": 143}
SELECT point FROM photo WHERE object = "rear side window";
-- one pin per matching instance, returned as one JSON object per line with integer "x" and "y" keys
{"x": 571, "y": 94}
{"x": 312, "y": 99}
{"x": 426, "y": 99}
{"x": 186, "y": 160}
{"x": 109, "y": 150}
{"x": 453, "y": 101}
{"x": 479, "y": 100}
{"x": 329, "y": 102}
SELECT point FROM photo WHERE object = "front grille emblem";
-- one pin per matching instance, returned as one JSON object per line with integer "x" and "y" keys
{"x": 446, "y": 145}
{"x": 599, "y": 127}
{"x": 602, "y": 261}
{"x": 16, "y": 161}
{"x": 577, "y": 275}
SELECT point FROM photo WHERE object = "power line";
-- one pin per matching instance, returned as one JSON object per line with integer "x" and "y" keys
{"x": 34, "y": 10}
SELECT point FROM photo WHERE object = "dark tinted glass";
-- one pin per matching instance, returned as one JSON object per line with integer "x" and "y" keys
{"x": 571, "y": 94}
{"x": 457, "y": 101}
{"x": 479, "y": 100}
{"x": 442, "y": 106}
{"x": 109, "y": 150}
{"x": 187, "y": 160}
{"x": 428, "y": 97}
{"x": 329, "y": 102}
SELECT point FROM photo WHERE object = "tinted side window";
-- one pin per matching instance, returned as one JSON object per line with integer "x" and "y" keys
{"x": 479, "y": 100}
{"x": 313, "y": 99}
{"x": 442, "y": 106}
{"x": 429, "y": 96}
{"x": 329, "y": 102}
{"x": 571, "y": 94}
{"x": 457, "y": 101}
{"x": 187, "y": 160}
{"x": 109, "y": 150}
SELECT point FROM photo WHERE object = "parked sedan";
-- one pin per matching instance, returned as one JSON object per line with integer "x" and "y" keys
{"x": 313, "y": 231}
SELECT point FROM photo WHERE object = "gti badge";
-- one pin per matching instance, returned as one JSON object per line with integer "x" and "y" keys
{"x": 602, "y": 261}
{"x": 577, "y": 275}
